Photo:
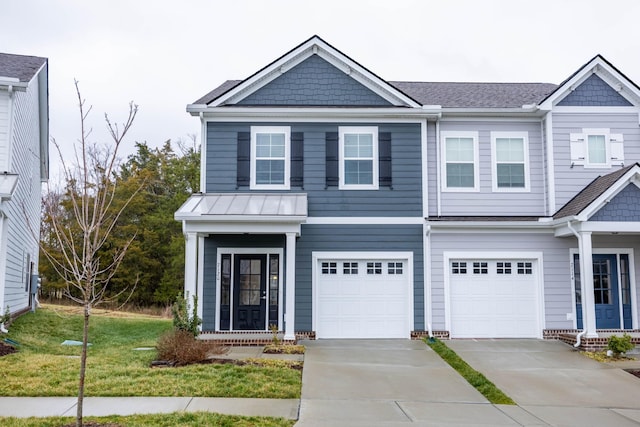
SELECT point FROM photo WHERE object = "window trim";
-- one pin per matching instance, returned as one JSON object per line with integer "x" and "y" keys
{"x": 344, "y": 130}
{"x": 286, "y": 130}
{"x": 494, "y": 162}
{"x": 476, "y": 161}
{"x": 607, "y": 147}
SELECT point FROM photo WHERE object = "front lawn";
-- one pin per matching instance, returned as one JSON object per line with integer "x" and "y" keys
{"x": 44, "y": 367}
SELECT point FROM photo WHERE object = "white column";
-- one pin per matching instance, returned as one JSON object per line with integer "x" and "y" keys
{"x": 586, "y": 279}
{"x": 290, "y": 288}
{"x": 190, "y": 268}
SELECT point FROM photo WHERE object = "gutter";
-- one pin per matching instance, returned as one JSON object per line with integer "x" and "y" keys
{"x": 579, "y": 237}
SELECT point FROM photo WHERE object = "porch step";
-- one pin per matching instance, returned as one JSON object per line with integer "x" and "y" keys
{"x": 600, "y": 343}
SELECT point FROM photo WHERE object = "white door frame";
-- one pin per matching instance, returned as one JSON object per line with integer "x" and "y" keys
{"x": 493, "y": 256}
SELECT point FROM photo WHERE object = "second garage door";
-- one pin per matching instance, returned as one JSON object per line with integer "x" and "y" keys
{"x": 494, "y": 298}
{"x": 363, "y": 298}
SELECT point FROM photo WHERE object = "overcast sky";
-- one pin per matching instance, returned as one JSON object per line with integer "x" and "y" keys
{"x": 165, "y": 54}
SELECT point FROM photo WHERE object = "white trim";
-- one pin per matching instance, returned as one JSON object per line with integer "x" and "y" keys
{"x": 447, "y": 256}
{"x": 290, "y": 283}
{"x": 316, "y": 256}
{"x": 316, "y": 114}
{"x": 594, "y": 109}
{"x": 605, "y": 132}
{"x": 203, "y": 155}
{"x": 550, "y": 166}
{"x": 200, "y": 283}
{"x": 425, "y": 168}
{"x": 492, "y": 117}
{"x": 346, "y": 130}
{"x": 426, "y": 274}
{"x": 248, "y": 251}
{"x": 524, "y": 136}
{"x": 286, "y": 131}
{"x": 632, "y": 279}
{"x": 364, "y": 220}
{"x": 476, "y": 161}
{"x": 3, "y": 259}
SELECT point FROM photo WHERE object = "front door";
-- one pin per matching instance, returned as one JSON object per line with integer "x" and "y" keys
{"x": 605, "y": 292}
{"x": 250, "y": 292}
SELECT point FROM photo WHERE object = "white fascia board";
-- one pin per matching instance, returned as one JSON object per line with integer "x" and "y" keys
{"x": 240, "y": 219}
{"x": 599, "y": 227}
{"x": 365, "y": 220}
{"x": 487, "y": 226}
{"x": 13, "y": 83}
{"x": 309, "y": 114}
{"x": 230, "y": 227}
{"x": 491, "y": 112}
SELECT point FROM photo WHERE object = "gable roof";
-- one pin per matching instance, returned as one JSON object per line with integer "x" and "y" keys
{"x": 20, "y": 67}
{"x": 606, "y": 71}
{"x": 592, "y": 192}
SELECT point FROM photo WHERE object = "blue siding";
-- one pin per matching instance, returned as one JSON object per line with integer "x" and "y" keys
{"x": 211, "y": 245}
{"x": 362, "y": 238}
{"x": 594, "y": 92}
{"x": 315, "y": 82}
{"x": 404, "y": 199}
{"x": 623, "y": 207}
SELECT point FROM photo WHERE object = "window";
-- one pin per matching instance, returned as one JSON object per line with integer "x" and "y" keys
{"x": 358, "y": 151}
{"x": 394, "y": 268}
{"x": 460, "y": 154}
{"x": 525, "y": 268}
{"x": 596, "y": 148}
{"x": 374, "y": 268}
{"x": 503, "y": 267}
{"x": 270, "y": 157}
{"x": 329, "y": 268}
{"x": 480, "y": 268}
{"x": 350, "y": 268}
{"x": 510, "y": 154}
{"x": 458, "y": 267}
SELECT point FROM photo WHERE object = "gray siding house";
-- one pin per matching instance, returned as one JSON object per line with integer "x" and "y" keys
{"x": 24, "y": 165}
{"x": 336, "y": 204}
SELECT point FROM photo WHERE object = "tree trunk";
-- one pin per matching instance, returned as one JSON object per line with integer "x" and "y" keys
{"x": 83, "y": 363}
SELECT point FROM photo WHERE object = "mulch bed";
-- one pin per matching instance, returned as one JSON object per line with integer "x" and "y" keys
{"x": 216, "y": 361}
{"x": 6, "y": 349}
{"x": 634, "y": 372}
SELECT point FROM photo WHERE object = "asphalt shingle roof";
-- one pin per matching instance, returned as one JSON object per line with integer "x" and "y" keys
{"x": 20, "y": 67}
{"x": 591, "y": 192}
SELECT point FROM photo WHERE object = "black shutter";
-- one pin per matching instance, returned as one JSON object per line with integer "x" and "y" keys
{"x": 297, "y": 159}
{"x": 243, "y": 176}
{"x": 331, "y": 141}
{"x": 384, "y": 159}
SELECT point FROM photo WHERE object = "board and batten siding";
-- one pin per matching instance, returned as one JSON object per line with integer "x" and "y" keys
{"x": 571, "y": 180}
{"x": 22, "y": 246}
{"x": 403, "y": 199}
{"x": 486, "y": 201}
{"x": 558, "y": 298}
{"x": 360, "y": 238}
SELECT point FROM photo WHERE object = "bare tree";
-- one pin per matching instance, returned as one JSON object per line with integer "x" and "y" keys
{"x": 80, "y": 238}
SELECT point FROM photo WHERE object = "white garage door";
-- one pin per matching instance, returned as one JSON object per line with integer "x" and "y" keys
{"x": 363, "y": 298}
{"x": 494, "y": 298}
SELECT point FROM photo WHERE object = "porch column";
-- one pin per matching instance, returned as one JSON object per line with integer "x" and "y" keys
{"x": 190, "y": 268}
{"x": 290, "y": 288}
{"x": 586, "y": 279}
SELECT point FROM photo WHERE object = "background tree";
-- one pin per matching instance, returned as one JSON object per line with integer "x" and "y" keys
{"x": 81, "y": 220}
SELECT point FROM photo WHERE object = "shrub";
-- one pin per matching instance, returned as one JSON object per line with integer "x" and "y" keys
{"x": 181, "y": 319}
{"x": 620, "y": 345}
{"x": 180, "y": 347}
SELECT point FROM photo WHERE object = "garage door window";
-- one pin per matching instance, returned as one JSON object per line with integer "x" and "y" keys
{"x": 374, "y": 268}
{"x": 480, "y": 268}
{"x": 525, "y": 268}
{"x": 350, "y": 268}
{"x": 458, "y": 268}
{"x": 503, "y": 267}
{"x": 329, "y": 268}
{"x": 394, "y": 268}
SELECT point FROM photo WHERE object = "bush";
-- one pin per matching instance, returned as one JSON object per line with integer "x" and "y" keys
{"x": 180, "y": 347}
{"x": 181, "y": 319}
{"x": 620, "y": 345}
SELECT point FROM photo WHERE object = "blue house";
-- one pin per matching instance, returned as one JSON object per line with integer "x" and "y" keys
{"x": 336, "y": 204}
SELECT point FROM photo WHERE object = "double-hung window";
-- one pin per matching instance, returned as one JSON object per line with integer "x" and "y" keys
{"x": 270, "y": 157}
{"x": 510, "y": 154}
{"x": 596, "y": 148}
{"x": 460, "y": 155}
{"x": 358, "y": 157}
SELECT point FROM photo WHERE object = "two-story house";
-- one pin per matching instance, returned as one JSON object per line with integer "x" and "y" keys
{"x": 336, "y": 204}
{"x": 24, "y": 165}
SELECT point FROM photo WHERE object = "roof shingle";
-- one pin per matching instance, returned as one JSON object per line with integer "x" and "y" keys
{"x": 20, "y": 67}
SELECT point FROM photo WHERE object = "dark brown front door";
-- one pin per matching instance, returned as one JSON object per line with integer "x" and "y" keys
{"x": 250, "y": 292}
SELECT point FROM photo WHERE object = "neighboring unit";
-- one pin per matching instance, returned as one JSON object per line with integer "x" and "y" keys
{"x": 336, "y": 204}
{"x": 24, "y": 165}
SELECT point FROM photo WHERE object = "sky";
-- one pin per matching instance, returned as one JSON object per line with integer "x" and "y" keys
{"x": 163, "y": 55}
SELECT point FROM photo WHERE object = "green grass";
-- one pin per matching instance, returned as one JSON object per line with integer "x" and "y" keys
{"x": 473, "y": 377}
{"x": 43, "y": 367}
{"x": 177, "y": 419}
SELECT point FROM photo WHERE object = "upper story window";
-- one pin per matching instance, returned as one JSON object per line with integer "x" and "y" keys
{"x": 596, "y": 148}
{"x": 510, "y": 154}
{"x": 460, "y": 159}
{"x": 270, "y": 157}
{"x": 358, "y": 158}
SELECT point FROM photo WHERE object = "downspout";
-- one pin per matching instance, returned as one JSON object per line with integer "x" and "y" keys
{"x": 438, "y": 171}
{"x": 579, "y": 237}
{"x": 426, "y": 245}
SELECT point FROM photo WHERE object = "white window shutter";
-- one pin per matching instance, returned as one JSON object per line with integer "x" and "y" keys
{"x": 617, "y": 148}
{"x": 578, "y": 148}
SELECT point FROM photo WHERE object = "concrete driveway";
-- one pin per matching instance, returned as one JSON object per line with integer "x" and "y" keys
{"x": 555, "y": 383}
{"x": 390, "y": 382}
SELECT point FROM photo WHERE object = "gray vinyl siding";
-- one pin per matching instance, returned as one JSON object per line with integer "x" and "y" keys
{"x": 486, "y": 201}
{"x": 211, "y": 245}
{"x": 623, "y": 207}
{"x": 569, "y": 181}
{"x": 315, "y": 82}
{"x": 360, "y": 238}
{"x": 558, "y": 298}
{"x": 594, "y": 92}
{"x": 404, "y": 199}
{"x": 432, "y": 160}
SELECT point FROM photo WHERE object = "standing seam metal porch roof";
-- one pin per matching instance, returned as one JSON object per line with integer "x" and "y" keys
{"x": 245, "y": 207}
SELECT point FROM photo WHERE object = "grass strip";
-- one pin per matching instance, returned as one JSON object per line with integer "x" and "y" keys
{"x": 176, "y": 419}
{"x": 473, "y": 377}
